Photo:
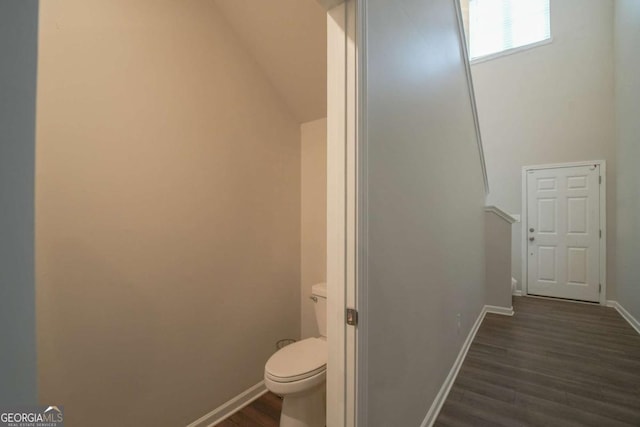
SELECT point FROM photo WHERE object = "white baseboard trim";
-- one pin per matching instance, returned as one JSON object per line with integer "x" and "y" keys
{"x": 441, "y": 397}
{"x": 505, "y": 311}
{"x": 230, "y": 407}
{"x": 517, "y": 293}
{"x": 625, "y": 314}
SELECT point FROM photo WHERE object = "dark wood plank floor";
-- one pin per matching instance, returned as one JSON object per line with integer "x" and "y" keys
{"x": 554, "y": 363}
{"x": 263, "y": 412}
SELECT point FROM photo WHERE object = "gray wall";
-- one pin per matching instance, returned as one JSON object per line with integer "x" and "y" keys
{"x": 498, "y": 260}
{"x": 18, "y": 56}
{"x": 425, "y": 256}
{"x": 627, "y": 38}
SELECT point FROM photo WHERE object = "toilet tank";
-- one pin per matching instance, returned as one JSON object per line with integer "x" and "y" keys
{"x": 319, "y": 296}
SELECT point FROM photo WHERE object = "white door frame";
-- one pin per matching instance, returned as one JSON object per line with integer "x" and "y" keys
{"x": 603, "y": 221}
{"x": 342, "y": 196}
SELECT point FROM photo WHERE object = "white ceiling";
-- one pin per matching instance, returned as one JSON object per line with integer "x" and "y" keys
{"x": 288, "y": 39}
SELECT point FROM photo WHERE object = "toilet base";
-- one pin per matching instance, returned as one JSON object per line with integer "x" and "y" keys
{"x": 306, "y": 409}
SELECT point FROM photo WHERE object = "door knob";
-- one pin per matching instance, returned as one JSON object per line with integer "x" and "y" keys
{"x": 531, "y": 239}
{"x": 531, "y": 230}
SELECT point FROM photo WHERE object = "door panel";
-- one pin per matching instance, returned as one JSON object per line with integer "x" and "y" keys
{"x": 547, "y": 263}
{"x": 577, "y": 262}
{"x": 577, "y": 215}
{"x": 547, "y": 216}
{"x": 563, "y": 230}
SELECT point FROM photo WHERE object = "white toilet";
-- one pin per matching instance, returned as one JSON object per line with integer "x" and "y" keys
{"x": 298, "y": 373}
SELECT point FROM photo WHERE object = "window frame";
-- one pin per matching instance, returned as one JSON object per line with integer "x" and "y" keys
{"x": 510, "y": 51}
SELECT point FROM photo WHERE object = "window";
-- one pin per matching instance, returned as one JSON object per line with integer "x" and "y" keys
{"x": 498, "y": 25}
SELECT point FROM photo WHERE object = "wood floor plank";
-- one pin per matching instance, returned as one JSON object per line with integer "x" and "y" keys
{"x": 460, "y": 414}
{"x": 241, "y": 419}
{"x": 260, "y": 417}
{"x": 226, "y": 423}
{"x": 268, "y": 408}
{"x": 553, "y": 363}
{"x": 263, "y": 412}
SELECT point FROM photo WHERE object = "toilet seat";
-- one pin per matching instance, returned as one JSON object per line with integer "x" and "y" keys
{"x": 298, "y": 361}
{"x": 294, "y": 387}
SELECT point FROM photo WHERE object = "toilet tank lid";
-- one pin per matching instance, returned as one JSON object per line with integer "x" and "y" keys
{"x": 319, "y": 290}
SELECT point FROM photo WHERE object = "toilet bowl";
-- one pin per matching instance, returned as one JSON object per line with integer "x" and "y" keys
{"x": 298, "y": 373}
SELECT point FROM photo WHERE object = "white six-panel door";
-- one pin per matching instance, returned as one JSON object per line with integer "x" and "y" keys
{"x": 563, "y": 232}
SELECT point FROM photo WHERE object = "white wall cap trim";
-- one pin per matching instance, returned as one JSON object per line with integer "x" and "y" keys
{"x": 502, "y": 214}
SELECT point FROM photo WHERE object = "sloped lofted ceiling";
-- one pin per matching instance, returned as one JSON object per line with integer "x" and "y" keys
{"x": 288, "y": 39}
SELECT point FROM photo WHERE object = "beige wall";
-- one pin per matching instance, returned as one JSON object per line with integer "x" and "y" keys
{"x": 313, "y": 217}
{"x": 168, "y": 213}
{"x": 288, "y": 39}
{"x": 551, "y": 104}
{"x": 627, "y": 37}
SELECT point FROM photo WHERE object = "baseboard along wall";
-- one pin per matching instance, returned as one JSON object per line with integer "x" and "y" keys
{"x": 625, "y": 314}
{"x": 230, "y": 407}
{"x": 441, "y": 397}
